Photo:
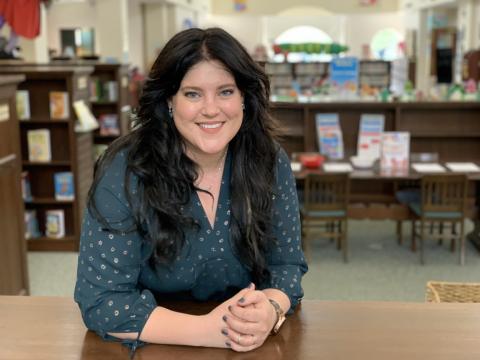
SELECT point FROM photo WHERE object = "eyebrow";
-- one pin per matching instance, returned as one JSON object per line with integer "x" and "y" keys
{"x": 200, "y": 89}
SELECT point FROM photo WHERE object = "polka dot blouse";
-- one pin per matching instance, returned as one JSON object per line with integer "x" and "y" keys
{"x": 115, "y": 286}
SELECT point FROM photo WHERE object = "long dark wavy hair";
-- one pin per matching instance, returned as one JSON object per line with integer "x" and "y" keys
{"x": 166, "y": 176}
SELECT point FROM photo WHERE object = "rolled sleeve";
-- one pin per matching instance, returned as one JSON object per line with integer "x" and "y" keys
{"x": 287, "y": 263}
{"x": 109, "y": 264}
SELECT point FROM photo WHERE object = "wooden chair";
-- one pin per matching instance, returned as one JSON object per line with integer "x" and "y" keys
{"x": 324, "y": 211}
{"x": 443, "y": 199}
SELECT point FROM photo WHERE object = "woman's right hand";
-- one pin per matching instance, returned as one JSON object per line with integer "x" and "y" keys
{"x": 215, "y": 333}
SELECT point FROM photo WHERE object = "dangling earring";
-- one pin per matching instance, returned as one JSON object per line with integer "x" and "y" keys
{"x": 243, "y": 106}
{"x": 170, "y": 111}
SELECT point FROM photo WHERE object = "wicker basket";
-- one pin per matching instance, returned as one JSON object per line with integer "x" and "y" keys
{"x": 438, "y": 291}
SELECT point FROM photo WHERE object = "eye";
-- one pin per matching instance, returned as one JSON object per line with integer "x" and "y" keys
{"x": 227, "y": 92}
{"x": 191, "y": 94}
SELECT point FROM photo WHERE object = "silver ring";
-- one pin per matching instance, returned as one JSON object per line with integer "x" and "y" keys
{"x": 239, "y": 337}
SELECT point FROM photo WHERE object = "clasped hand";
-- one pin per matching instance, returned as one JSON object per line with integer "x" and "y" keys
{"x": 246, "y": 319}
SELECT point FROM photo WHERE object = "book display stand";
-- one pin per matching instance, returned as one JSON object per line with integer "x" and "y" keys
{"x": 68, "y": 151}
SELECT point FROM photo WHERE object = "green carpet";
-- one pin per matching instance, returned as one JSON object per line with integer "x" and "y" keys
{"x": 379, "y": 269}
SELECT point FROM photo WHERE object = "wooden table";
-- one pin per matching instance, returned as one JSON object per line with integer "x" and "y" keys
{"x": 372, "y": 191}
{"x": 49, "y": 328}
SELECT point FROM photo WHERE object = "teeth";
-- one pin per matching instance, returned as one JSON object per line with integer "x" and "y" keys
{"x": 210, "y": 126}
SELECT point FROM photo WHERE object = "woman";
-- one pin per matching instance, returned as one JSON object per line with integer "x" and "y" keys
{"x": 198, "y": 202}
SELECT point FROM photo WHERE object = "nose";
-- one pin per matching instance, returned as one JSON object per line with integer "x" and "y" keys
{"x": 210, "y": 107}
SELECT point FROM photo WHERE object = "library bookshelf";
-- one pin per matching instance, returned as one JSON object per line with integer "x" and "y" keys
{"x": 69, "y": 151}
{"x": 108, "y": 94}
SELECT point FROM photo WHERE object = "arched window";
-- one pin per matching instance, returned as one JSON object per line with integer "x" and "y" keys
{"x": 385, "y": 44}
{"x": 303, "y": 34}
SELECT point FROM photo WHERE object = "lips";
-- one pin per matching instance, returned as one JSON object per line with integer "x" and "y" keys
{"x": 210, "y": 126}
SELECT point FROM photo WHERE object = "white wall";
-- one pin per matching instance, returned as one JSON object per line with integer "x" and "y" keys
{"x": 135, "y": 34}
{"x": 112, "y": 29}
{"x": 254, "y": 30}
{"x": 271, "y": 7}
{"x": 369, "y": 25}
{"x": 248, "y": 30}
{"x": 69, "y": 16}
{"x": 156, "y": 24}
{"x": 162, "y": 20}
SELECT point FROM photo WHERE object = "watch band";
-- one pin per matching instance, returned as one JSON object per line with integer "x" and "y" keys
{"x": 280, "y": 316}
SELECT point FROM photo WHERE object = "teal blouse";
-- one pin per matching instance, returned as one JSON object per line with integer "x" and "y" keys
{"x": 116, "y": 287}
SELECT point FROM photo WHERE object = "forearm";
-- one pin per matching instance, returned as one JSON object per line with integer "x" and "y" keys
{"x": 169, "y": 327}
{"x": 280, "y": 297}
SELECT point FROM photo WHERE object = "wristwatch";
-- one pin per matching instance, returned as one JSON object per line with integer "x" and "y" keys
{"x": 280, "y": 316}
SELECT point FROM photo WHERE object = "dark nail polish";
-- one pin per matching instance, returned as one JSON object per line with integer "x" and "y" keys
{"x": 224, "y": 332}
{"x": 229, "y": 307}
{"x": 224, "y": 318}
{"x": 241, "y": 300}
{"x": 228, "y": 344}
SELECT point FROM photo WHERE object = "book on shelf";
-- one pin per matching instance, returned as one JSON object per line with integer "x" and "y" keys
{"x": 31, "y": 224}
{"x": 329, "y": 134}
{"x": 86, "y": 121}
{"x": 64, "y": 186}
{"x": 23, "y": 105}
{"x": 26, "y": 187}
{"x": 344, "y": 76}
{"x": 59, "y": 105}
{"x": 395, "y": 150}
{"x": 110, "y": 91}
{"x": 55, "y": 223}
{"x": 109, "y": 125}
{"x": 370, "y": 135}
{"x": 95, "y": 88}
{"x": 39, "y": 148}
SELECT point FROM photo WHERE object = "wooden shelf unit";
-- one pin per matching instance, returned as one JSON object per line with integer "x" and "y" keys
{"x": 100, "y": 105}
{"x": 13, "y": 257}
{"x": 71, "y": 151}
{"x": 118, "y": 74}
{"x": 450, "y": 129}
{"x": 374, "y": 73}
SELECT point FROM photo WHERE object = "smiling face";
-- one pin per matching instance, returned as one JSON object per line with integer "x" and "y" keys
{"x": 207, "y": 109}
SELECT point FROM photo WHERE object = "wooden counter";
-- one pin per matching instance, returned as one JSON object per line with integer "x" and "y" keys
{"x": 47, "y": 328}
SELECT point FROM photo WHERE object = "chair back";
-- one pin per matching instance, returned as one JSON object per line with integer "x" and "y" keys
{"x": 444, "y": 193}
{"x": 326, "y": 192}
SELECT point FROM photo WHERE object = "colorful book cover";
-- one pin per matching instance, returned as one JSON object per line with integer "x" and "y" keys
{"x": 39, "y": 148}
{"x": 26, "y": 186}
{"x": 55, "y": 223}
{"x": 64, "y": 186}
{"x": 395, "y": 150}
{"x": 329, "y": 133}
{"x": 59, "y": 105}
{"x": 370, "y": 135}
{"x": 31, "y": 224}
{"x": 23, "y": 105}
{"x": 94, "y": 88}
{"x": 109, "y": 125}
{"x": 344, "y": 76}
{"x": 86, "y": 121}
{"x": 110, "y": 91}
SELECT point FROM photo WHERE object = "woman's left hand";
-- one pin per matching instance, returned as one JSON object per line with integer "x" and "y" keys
{"x": 250, "y": 321}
